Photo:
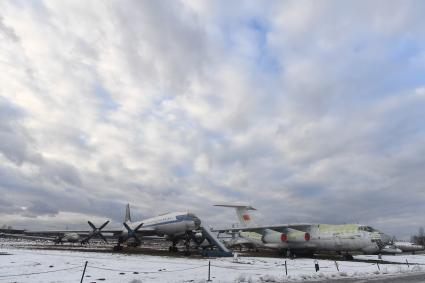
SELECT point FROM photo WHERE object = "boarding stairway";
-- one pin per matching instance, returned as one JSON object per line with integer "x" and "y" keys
{"x": 220, "y": 251}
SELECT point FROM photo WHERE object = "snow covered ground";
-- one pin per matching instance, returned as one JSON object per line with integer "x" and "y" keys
{"x": 35, "y": 265}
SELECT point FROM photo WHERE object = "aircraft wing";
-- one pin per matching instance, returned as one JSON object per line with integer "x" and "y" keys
{"x": 143, "y": 231}
{"x": 55, "y": 232}
{"x": 147, "y": 231}
{"x": 23, "y": 236}
{"x": 61, "y": 232}
{"x": 260, "y": 228}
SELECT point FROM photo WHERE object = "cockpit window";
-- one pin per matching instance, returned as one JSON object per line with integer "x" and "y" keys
{"x": 366, "y": 228}
{"x": 191, "y": 215}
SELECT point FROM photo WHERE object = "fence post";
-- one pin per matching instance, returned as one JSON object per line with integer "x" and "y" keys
{"x": 209, "y": 271}
{"x": 286, "y": 269}
{"x": 337, "y": 267}
{"x": 84, "y": 271}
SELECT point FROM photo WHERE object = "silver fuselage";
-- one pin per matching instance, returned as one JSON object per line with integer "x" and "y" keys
{"x": 170, "y": 224}
{"x": 323, "y": 237}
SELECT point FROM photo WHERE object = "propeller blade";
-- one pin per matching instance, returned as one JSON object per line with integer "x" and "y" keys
{"x": 132, "y": 233}
{"x": 86, "y": 240}
{"x": 96, "y": 232}
{"x": 91, "y": 225}
{"x": 127, "y": 227}
{"x": 138, "y": 227}
{"x": 104, "y": 224}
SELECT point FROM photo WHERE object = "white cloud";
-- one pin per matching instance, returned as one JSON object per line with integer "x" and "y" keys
{"x": 310, "y": 111}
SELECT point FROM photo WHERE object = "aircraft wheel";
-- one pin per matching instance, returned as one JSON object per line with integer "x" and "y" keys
{"x": 172, "y": 249}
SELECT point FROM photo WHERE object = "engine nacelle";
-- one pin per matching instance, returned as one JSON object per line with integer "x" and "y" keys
{"x": 297, "y": 236}
{"x": 273, "y": 237}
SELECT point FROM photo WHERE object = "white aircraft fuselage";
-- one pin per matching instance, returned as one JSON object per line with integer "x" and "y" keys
{"x": 307, "y": 237}
{"x": 346, "y": 237}
{"x": 320, "y": 237}
{"x": 170, "y": 224}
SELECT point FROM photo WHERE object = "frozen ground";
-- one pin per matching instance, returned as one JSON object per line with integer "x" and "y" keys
{"x": 34, "y": 265}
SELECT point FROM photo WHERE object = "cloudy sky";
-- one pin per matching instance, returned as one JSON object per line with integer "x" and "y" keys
{"x": 311, "y": 111}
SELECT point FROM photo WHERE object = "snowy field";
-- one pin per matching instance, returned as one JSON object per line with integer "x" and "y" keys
{"x": 34, "y": 265}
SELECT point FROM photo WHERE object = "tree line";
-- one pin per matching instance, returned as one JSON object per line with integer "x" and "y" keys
{"x": 419, "y": 239}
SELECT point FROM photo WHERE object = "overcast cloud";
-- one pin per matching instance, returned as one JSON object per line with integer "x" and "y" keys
{"x": 310, "y": 111}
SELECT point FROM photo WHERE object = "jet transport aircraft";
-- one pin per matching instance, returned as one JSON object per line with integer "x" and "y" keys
{"x": 302, "y": 238}
{"x": 175, "y": 226}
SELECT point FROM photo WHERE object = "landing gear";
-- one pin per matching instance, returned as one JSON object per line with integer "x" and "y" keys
{"x": 173, "y": 248}
{"x": 118, "y": 247}
{"x": 290, "y": 254}
{"x": 187, "y": 238}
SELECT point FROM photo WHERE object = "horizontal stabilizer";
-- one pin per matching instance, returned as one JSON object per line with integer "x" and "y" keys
{"x": 247, "y": 207}
{"x": 241, "y": 212}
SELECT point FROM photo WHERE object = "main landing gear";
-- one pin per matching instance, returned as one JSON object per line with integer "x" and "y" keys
{"x": 187, "y": 237}
{"x": 173, "y": 248}
{"x": 119, "y": 247}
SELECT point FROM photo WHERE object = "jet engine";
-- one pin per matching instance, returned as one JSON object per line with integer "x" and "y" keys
{"x": 273, "y": 237}
{"x": 297, "y": 236}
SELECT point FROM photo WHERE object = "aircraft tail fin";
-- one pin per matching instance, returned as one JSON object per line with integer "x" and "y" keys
{"x": 242, "y": 213}
{"x": 127, "y": 217}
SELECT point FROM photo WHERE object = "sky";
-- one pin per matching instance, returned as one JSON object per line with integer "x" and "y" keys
{"x": 310, "y": 111}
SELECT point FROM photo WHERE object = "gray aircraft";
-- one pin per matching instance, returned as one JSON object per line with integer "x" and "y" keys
{"x": 175, "y": 226}
{"x": 305, "y": 238}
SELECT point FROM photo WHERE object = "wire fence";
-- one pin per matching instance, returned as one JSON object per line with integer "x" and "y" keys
{"x": 284, "y": 268}
{"x": 147, "y": 272}
{"x": 40, "y": 272}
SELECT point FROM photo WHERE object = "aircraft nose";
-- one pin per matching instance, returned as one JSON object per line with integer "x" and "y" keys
{"x": 195, "y": 219}
{"x": 197, "y": 222}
